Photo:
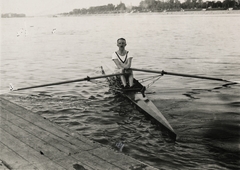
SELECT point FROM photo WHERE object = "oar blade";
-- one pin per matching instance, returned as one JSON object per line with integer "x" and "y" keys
{"x": 11, "y": 88}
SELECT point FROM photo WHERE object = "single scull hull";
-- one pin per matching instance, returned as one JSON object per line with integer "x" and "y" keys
{"x": 147, "y": 106}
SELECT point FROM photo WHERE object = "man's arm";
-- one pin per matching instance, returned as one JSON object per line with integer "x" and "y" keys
{"x": 129, "y": 62}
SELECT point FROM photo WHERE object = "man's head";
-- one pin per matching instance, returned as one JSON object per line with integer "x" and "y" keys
{"x": 121, "y": 43}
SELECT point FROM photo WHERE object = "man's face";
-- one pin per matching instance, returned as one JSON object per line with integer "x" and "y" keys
{"x": 121, "y": 43}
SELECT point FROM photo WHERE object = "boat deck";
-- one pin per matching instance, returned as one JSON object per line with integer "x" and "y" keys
{"x": 28, "y": 141}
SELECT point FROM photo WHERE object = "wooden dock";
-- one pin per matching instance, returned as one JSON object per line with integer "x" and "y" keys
{"x": 30, "y": 142}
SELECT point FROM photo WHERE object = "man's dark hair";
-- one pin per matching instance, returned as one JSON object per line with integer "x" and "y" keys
{"x": 121, "y": 39}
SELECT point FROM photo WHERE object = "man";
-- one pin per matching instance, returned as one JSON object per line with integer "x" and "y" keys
{"x": 123, "y": 61}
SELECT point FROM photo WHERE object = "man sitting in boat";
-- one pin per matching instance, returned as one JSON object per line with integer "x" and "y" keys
{"x": 123, "y": 61}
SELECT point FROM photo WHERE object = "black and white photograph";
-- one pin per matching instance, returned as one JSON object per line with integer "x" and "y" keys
{"x": 120, "y": 85}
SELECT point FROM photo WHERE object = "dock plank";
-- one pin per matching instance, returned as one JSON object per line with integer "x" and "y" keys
{"x": 36, "y": 143}
{"x": 95, "y": 162}
{"x": 32, "y": 141}
{"x": 20, "y": 112}
{"x": 71, "y": 164}
{"x": 119, "y": 160}
{"x": 14, "y": 160}
{"x": 28, "y": 153}
{"x": 44, "y": 135}
{"x": 47, "y": 150}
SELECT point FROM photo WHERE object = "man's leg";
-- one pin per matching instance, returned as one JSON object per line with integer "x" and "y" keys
{"x": 124, "y": 82}
{"x": 130, "y": 79}
{"x": 123, "y": 79}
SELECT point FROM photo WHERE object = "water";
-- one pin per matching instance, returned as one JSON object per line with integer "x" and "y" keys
{"x": 204, "y": 113}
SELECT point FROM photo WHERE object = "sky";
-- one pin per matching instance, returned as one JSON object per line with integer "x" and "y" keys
{"x": 43, "y": 7}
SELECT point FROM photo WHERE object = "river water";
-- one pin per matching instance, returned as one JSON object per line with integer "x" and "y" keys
{"x": 204, "y": 113}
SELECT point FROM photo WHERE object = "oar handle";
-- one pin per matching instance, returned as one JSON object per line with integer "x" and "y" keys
{"x": 149, "y": 71}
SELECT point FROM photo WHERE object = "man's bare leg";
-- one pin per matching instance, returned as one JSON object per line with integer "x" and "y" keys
{"x": 124, "y": 82}
{"x": 130, "y": 80}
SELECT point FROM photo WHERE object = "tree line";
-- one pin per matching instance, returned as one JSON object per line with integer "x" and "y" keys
{"x": 154, "y": 5}
{"x": 159, "y": 6}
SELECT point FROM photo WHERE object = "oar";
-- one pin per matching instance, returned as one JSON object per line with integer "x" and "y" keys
{"x": 65, "y": 82}
{"x": 179, "y": 74}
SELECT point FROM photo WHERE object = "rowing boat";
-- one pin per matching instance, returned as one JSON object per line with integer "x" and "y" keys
{"x": 141, "y": 102}
{"x": 134, "y": 95}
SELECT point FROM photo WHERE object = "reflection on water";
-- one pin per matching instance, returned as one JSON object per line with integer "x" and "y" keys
{"x": 204, "y": 114}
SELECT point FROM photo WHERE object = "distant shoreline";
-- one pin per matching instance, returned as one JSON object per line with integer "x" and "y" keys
{"x": 163, "y": 13}
{"x": 203, "y": 12}
{"x": 188, "y": 12}
{"x": 193, "y": 12}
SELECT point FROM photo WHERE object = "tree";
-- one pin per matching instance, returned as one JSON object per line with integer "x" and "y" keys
{"x": 110, "y": 7}
{"x": 159, "y": 5}
{"x": 149, "y": 4}
{"x": 226, "y": 4}
{"x": 177, "y": 4}
{"x": 171, "y": 4}
{"x": 76, "y": 11}
{"x": 194, "y": 3}
{"x": 188, "y": 4}
{"x": 218, "y": 4}
{"x": 232, "y": 4}
{"x": 121, "y": 7}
